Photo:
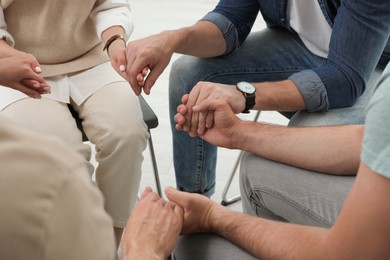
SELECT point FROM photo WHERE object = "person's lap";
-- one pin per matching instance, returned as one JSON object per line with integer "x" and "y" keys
{"x": 278, "y": 192}
{"x": 267, "y": 55}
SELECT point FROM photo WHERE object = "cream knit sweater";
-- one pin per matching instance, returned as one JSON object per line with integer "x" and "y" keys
{"x": 59, "y": 33}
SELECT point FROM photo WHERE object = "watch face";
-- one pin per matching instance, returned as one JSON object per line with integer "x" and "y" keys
{"x": 246, "y": 87}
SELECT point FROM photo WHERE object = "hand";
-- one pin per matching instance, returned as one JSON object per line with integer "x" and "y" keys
{"x": 197, "y": 123}
{"x": 21, "y": 72}
{"x": 146, "y": 60}
{"x": 225, "y": 126}
{"x": 117, "y": 54}
{"x": 200, "y": 212}
{"x": 153, "y": 228}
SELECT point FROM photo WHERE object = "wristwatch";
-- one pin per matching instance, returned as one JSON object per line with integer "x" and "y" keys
{"x": 249, "y": 91}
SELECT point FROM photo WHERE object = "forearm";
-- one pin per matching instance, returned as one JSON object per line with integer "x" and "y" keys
{"x": 278, "y": 96}
{"x": 333, "y": 149}
{"x": 267, "y": 239}
{"x": 204, "y": 39}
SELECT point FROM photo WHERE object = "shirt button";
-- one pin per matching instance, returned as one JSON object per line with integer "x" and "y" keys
{"x": 282, "y": 19}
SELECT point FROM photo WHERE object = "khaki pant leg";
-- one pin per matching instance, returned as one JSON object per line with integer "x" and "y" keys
{"x": 50, "y": 118}
{"x": 112, "y": 120}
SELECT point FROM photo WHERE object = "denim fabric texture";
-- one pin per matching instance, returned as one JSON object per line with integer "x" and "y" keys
{"x": 360, "y": 33}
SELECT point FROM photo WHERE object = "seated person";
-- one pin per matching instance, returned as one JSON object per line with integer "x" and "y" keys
{"x": 331, "y": 214}
{"x": 81, "y": 49}
{"x": 319, "y": 58}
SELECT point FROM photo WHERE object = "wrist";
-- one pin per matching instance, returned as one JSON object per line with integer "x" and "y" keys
{"x": 177, "y": 39}
{"x": 112, "y": 41}
{"x": 139, "y": 252}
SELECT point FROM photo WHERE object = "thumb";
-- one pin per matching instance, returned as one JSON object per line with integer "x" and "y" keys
{"x": 176, "y": 196}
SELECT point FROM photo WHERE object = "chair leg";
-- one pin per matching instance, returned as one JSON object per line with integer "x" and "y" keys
{"x": 227, "y": 201}
{"x": 154, "y": 162}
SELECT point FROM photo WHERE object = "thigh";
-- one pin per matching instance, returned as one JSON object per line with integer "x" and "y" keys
{"x": 208, "y": 246}
{"x": 113, "y": 109}
{"x": 45, "y": 116}
{"x": 285, "y": 193}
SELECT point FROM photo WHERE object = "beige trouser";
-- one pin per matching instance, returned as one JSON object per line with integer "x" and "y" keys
{"x": 112, "y": 120}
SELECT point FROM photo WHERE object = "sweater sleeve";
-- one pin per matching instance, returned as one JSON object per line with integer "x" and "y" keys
{"x": 107, "y": 14}
{"x": 4, "y": 34}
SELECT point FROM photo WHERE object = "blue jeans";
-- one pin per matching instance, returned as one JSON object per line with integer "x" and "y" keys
{"x": 268, "y": 55}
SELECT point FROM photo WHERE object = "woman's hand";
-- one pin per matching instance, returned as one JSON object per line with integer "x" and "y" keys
{"x": 21, "y": 72}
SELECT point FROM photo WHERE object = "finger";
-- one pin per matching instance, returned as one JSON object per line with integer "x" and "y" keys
{"x": 210, "y": 119}
{"x": 182, "y": 109}
{"x": 35, "y": 66}
{"x": 141, "y": 77}
{"x": 161, "y": 202}
{"x": 146, "y": 191}
{"x": 194, "y": 124}
{"x": 192, "y": 100}
{"x": 153, "y": 75}
{"x": 42, "y": 88}
{"x": 185, "y": 98}
{"x": 26, "y": 90}
{"x": 170, "y": 205}
{"x": 122, "y": 61}
{"x": 179, "y": 211}
{"x": 176, "y": 196}
{"x": 201, "y": 123}
{"x": 211, "y": 104}
{"x": 145, "y": 71}
{"x": 132, "y": 73}
{"x": 179, "y": 119}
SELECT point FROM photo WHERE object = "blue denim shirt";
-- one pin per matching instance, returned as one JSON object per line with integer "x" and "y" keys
{"x": 359, "y": 42}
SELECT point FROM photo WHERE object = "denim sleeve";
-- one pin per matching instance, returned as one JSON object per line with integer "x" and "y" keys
{"x": 360, "y": 32}
{"x": 376, "y": 141}
{"x": 235, "y": 19}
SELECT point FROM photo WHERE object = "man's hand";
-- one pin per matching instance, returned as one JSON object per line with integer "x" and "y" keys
{"x": 199, "y": 211}
{"x": 21, "y": 72}
{"x": 146, "y": 60}
{"x": 153, "y": 228}
{"x": 198, "y": 123}
{"x": 225, "y": 125}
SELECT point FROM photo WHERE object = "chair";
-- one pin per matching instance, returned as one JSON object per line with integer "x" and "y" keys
{"x": 227, "y": 201}
{"x": 151, "y": 121}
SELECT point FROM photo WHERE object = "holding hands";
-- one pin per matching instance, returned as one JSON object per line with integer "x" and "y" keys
{"x": 156, "y": 223}
{"x": 21, "y": 72}
{"x": 146, "y": 60}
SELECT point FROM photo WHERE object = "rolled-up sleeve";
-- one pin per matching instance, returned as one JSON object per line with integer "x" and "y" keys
{"x": 109, "y": 13}
{"x": 235, "y": 20}
{"x": 360, "y": 32}
{"x": 4, "y": 34}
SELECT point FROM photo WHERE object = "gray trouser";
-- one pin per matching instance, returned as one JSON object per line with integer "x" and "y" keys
{"x": 274, "y": 191}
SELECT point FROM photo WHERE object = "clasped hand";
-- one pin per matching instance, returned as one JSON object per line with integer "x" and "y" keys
{"x": 156, "y": 223}
{"x": 21, "y": 72}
